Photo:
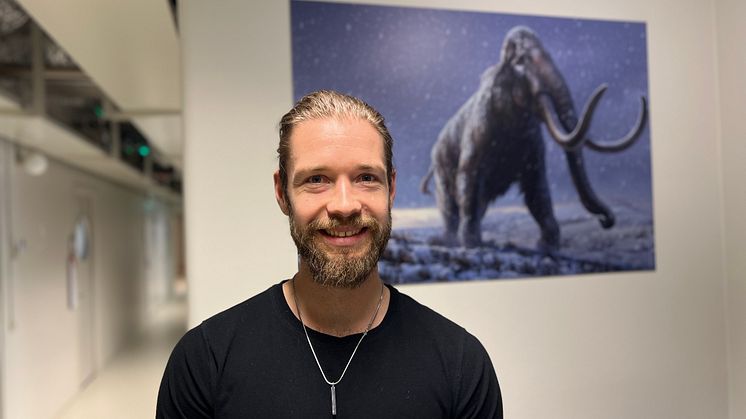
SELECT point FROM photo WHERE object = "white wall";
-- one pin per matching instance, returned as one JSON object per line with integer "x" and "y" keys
{"x": 42, "y": 348}
{"x": 732, "y": 67}
{"x": 237, "y": 84}
{"x": 5, "y": 167}
{"x": 628, "y": 345}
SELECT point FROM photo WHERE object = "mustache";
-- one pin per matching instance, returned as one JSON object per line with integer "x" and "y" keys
{"x": 356, "y": 221}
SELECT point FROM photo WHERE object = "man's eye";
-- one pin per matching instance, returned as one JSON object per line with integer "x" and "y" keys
{"x": 315, "y": 179}
{"x": 367, "y": 178}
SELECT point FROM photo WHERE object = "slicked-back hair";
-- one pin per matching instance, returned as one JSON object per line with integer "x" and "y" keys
{"x": 331, "y": 104}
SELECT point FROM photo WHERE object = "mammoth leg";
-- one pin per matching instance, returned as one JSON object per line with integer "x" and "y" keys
{"x": 445, "y": 197}
{"x": 538, "y": 199}
{"x": 467, "y": 187}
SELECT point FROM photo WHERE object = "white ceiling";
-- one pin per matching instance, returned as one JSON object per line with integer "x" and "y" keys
{"x": 130, "y": 49}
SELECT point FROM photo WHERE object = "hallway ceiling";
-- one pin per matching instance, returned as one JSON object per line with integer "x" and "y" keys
{"x": 130, "y": 50}
{"x": 121, "y": 52}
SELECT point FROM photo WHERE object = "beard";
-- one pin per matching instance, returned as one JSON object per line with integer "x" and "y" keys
{"x": 344, "y": 267}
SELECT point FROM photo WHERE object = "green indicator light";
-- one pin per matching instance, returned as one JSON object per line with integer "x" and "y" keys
{"x": 98, "y": 111}
{"x": 144, "y": 150}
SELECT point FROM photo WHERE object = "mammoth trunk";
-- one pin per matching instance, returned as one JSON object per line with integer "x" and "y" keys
{"x": 566, "y": 114}
{"x": 588, "y": 197}
{"x": 561, "y": 99}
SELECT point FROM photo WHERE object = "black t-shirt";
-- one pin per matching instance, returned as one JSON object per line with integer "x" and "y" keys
{"x": 253, "y": 361}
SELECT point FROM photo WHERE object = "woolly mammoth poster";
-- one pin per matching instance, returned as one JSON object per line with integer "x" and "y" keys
{"x": 522, "y": 143}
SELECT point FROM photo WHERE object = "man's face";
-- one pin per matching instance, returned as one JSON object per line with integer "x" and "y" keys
{"x": 338, "y": 199}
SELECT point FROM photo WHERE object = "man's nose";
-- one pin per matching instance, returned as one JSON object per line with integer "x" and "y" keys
{"x": 344, "y": 202}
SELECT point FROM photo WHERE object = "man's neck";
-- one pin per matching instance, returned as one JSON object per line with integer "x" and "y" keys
{"x": 336, "y": 311}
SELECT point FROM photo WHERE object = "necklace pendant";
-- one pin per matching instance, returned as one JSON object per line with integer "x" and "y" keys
{"x": 334, "y": 401}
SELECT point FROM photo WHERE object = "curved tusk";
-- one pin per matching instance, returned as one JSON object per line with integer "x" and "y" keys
{"x": 576, "y": 137}
{"x": 627, "y": 140}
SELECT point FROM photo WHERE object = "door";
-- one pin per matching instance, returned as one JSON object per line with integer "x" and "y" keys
{"x": 82, "y": 267}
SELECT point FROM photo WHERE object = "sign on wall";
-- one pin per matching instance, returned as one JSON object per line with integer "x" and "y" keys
{"x": 522, "y": 143}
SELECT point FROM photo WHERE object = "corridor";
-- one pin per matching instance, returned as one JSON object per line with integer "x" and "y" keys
{"x": 128, "y": 386}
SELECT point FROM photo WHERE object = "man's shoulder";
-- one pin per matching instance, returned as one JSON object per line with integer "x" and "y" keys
{"x": 417, "y": 311}
{"x": 242, "y": 316}
{"x": 428, "y": 321}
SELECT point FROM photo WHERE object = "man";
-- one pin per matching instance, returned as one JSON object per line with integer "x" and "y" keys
{"x": 334, "y": 340}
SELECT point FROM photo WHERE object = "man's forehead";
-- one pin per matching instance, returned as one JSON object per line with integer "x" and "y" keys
{"x": 336, "y": 123}
{"x": 331, "y": 134}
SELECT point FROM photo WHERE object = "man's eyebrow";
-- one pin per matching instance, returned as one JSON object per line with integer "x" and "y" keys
{"x": 300, "y": 175}
{"x": 371, "y": 168}
{"x": 319, "y": 169}
{"x": 312, "y": 169}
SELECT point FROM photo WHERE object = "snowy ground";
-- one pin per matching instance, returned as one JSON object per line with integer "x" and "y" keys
{"x": 510, "y": 235}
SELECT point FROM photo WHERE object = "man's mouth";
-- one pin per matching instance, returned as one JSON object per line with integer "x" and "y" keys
{"x": 342, "y": 233}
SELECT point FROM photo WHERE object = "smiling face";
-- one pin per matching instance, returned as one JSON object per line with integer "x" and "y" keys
{"x": 338, "y": 198}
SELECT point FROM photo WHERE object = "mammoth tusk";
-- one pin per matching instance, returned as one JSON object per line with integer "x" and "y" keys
{"x": 573, "y": 139}
{"x": 628, "y": 139}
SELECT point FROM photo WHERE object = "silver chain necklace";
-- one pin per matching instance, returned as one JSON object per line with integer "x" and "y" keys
{"x": 323, "y": 375}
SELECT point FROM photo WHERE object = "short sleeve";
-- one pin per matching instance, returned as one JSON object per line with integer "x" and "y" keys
{"x": 189, "y": 379}
{"x": 478, "y": 391}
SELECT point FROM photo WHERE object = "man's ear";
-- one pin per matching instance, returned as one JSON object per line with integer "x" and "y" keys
{"x": 280, "y": 194}
{"x": 392, "y": 187}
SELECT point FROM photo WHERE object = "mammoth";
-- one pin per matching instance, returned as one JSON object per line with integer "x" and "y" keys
{"x": 495, "y": 140}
